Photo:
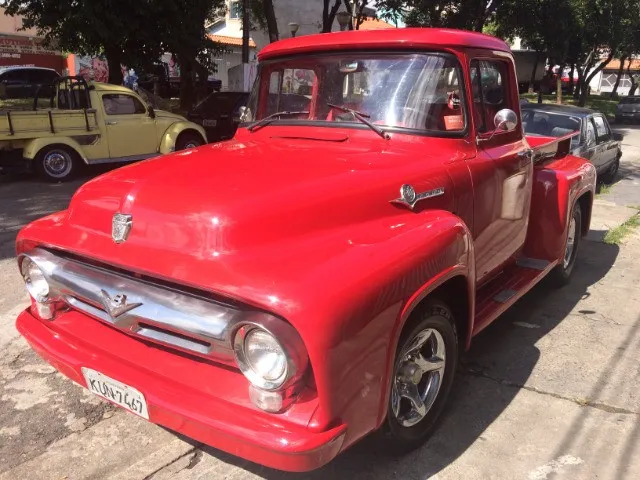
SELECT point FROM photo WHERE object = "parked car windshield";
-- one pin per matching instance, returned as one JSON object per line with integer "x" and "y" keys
{"x": 550, "y": 124}
{"x": 630, "y": 100}
{"x": 413, "y": 91}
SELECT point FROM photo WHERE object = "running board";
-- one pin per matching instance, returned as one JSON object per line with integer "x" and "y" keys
{"x": 503, "y": 291}
{"x": 534, "y": 263}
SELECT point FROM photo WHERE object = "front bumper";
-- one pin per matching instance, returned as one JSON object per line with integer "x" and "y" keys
{"x": 185, "y": 395}
{"x": 628, "y": 116}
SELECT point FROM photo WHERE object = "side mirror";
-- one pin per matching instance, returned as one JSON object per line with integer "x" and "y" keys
{"x": 505, "y": 120}
{"x": 618, "y": 137}
{"x": 244, "y": 114}
{"x": 152, "y": 112}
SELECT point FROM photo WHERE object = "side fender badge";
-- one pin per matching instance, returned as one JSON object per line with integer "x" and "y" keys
{"x": 409, "y": 197}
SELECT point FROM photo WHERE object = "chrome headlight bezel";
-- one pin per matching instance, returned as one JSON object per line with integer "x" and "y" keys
{"x": 286, "y": 338}
{"x": 35, "y": 280}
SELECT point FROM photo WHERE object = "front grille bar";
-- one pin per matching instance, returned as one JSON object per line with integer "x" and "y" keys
{"x": 185, "y": 322}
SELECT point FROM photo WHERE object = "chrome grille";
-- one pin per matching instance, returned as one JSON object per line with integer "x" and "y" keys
{"x": 169, "y": 317}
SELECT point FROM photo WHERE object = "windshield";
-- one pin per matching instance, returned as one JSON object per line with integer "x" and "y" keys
{"x": 413, "y": 91}
{"x": 550, "y": 124}
{"x": 630, "y": 100}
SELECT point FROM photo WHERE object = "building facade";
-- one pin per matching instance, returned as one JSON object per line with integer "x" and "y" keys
{"x": 24, "y": 47}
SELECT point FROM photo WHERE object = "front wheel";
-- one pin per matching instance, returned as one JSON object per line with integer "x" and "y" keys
{"x": 56, "y": 163}
{"x": 188, "y": 140}
{"x": 425, "y": 365}
{"x": 561, "y": 274}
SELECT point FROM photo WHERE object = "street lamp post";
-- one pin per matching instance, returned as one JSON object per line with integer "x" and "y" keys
{"x": 343, "y": 20}
{"x": 293, "y": 28}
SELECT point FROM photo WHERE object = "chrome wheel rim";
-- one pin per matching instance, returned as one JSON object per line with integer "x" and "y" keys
{"x": 418, "y": 377}
{"x": 57, "y": 163}
{"x": 571, "y": 238}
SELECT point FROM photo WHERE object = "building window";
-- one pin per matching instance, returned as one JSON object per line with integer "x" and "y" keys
{"x": 235, "y": 10}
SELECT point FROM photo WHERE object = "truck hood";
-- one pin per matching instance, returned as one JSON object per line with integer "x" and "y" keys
{"x": 241, "y": 208}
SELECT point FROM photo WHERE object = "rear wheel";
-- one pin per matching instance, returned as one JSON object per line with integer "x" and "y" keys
{"x": 425, "y": 365}
{"x": 188, "y": 140}
{"x": 611, "y": 174}
{"x": 57, "y": 163}
{"x": 561, "y": 274}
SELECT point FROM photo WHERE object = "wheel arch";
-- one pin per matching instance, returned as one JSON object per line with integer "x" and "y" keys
{"x": 171, "y": 135}
{"x": 34, "y": 147}
{"x": 585, "y": 200}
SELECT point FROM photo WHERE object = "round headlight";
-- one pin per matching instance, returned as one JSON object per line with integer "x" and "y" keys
{"x": 261, "y": 358}
{"x": 34, "y": 280}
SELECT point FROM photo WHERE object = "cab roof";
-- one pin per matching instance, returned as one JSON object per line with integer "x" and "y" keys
{"x": 109, "y": 87}
{"x": 393, "y": 38}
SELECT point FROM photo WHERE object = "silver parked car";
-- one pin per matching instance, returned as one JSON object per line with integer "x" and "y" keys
{"x": 596, "y": 142}
{"x": 628, "y": 109}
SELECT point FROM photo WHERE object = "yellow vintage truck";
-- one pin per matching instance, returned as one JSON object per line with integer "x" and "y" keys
{"x": 90, "y": 123}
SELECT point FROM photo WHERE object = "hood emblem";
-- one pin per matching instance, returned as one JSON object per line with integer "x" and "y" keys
{"x": 409, "y": 197}
{"x": 120, "y": 227}
{"x": 117, "y": 305}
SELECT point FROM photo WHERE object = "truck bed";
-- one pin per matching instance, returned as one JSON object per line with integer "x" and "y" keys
{"x": 20, "y": 125}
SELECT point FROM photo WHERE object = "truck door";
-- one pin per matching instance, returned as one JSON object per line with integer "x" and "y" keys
{"x": 131, "y": 132}
{"x": 502, "y": 170}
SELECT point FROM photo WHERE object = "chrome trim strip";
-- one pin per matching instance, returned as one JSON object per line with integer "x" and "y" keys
{"x": 172, "y": 318}
{"x": 409, "y": 197}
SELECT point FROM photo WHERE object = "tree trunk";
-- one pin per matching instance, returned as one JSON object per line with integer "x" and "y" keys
{"x": 534, "y": 71}
{"x": 634, "y": 85}
{"x": 584, "y": 92}
{"x": 187, "y": 92}
{"x": 559, "y": 84}
{"x": 329, "y": 15}
{"x": 571, "y": 81}
{"x": 272, "y": 24}
{"x": 114, "y": 61}
{"x": 614, "y": 92}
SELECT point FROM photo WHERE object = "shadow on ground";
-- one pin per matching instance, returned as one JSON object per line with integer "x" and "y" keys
{"x": 25, "y": 198}
{"x": 504, "y": 353}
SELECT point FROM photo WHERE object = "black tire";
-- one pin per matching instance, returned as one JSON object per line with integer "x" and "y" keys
{"x": 188, "y": 140}
{"x": 397, "y": 437}
{"x": 57, "y": 163}
{"x": 561, "y": 274}
{"x": 611, "y": 174}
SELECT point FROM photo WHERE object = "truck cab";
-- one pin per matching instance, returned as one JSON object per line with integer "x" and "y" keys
{"x": 318, "y": 278}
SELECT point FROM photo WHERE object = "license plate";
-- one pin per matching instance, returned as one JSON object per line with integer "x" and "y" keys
{"x": 209, "y": 123}
{"x": 117, "y": 392}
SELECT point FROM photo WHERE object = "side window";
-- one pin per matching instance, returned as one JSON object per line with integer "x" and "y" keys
{"x": 590, "y": 133}
{"x": 290, "y": 90}
{"x": 602, "y": 129}
{"x": 490, "y": 91}
{"x": 122, "y": 105}
{"x": 15, "y": 77}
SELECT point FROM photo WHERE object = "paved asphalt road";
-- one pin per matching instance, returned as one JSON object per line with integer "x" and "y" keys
{"x": 548, "y": 391}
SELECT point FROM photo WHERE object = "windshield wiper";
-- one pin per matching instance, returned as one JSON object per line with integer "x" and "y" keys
{"x": 363, "y": 118}
{"x": 270, "y": 118}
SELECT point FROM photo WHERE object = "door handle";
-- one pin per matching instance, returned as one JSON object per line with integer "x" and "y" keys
{"x": 112, "y": 122}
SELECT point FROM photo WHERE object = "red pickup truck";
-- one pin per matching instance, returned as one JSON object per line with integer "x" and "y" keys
{"x": 315, "y": 279}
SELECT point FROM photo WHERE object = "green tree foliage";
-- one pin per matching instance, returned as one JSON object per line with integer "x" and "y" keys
{"x": 586, "y": 34}
{"x": 463, "y": 14}
{"x": 133, "y": 33}
{"x": 117, "y": 29}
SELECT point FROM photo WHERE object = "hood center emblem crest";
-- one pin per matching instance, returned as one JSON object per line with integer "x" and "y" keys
{"x": 120, "y": 227}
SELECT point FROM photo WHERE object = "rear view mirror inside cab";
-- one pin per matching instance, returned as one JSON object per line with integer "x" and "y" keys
{"x": 350, "y": 66}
